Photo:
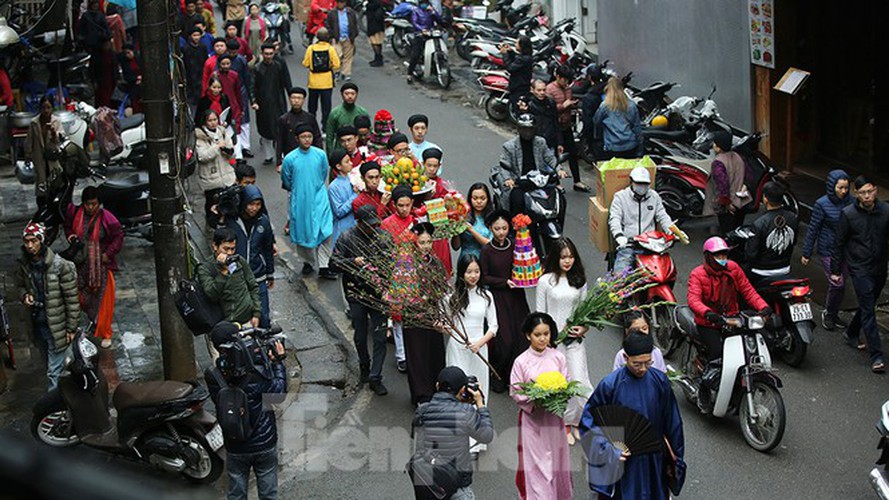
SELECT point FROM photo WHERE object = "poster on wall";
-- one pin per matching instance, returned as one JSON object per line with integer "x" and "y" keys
{"x": 762, "y": 32}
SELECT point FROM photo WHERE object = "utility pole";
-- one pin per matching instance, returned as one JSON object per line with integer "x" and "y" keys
{"x": 170, "y": 246}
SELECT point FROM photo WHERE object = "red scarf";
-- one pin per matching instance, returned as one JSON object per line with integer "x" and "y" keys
{"x": 215, "y": 102}
{"x": 93, "y": 246}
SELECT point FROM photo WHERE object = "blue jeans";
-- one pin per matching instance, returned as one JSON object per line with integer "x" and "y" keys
{"x": 867, "y": 289}
{"x": 265, "y": 319}
{"x": 264, "y": 465}
{"x": 625, "y": 257}
{"x": 55, "y": 359}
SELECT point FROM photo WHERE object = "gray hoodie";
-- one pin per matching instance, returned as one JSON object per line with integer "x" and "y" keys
{"x": 630, "y": 216}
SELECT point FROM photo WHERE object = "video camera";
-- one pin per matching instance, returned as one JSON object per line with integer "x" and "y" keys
{"x": 251, "y": 352}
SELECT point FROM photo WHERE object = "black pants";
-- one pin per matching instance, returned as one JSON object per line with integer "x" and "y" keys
{"x": 712, "y": 339}
{"x": 867, "y": 290}
{"x": 571, "y": 148}
{"x": 418, "y": 42}
{"x": 728, "y": 222}
{"x": 324, "y": 95}
{"x": 369, "y": 321}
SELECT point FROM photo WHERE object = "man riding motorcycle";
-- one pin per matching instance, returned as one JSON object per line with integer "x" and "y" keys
{"x": 713, "y": 290}
{"x": 522, "y": 154}
{"x": 769, "y": 250}
{"x": 424, "y": 18}
{"x": 634, "y": 210}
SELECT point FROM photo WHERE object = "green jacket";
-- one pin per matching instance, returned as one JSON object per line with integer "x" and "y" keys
{"x": 338, "y": 117}
{"x": 236, "y": 292}
{"x": 60, "y": 283}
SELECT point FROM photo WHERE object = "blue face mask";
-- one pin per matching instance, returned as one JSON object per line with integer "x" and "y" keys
{"x": 721, "y": 262}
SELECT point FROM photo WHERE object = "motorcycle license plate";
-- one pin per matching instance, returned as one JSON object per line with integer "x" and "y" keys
{"x": 214, "y": 437}
{"x": 390, "y": 31}
{"x": 801, "y": 312}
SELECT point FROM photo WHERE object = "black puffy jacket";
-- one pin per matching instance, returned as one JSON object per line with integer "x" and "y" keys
{"x": 862, "y": 240}
{"x": 265, "y": 429}
{"x": 771, "y": 246}
{"x": 445, "y": 425}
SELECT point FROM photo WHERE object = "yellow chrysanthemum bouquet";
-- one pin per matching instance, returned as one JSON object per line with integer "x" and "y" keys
{"x": 551, "y": 391}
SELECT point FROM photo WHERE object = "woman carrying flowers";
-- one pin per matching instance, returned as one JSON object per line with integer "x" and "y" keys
{"x": 544, "y": 470}
{"x": 559, "y": 291}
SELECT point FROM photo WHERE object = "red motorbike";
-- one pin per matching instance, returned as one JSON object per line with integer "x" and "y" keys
{"x": 682, "y": 172}
{"x": 659, "y": 298}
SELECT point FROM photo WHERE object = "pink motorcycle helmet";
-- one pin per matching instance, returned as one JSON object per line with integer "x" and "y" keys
{"x": 715, "y": 244}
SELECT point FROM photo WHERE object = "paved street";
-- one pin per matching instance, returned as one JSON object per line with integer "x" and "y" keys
{"x": 832, "y": 401}
{"x": 356, "y": 447}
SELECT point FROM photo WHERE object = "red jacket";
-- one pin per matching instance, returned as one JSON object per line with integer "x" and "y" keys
{"x": 704, "y": 286}
{"x": 316, "y": 16}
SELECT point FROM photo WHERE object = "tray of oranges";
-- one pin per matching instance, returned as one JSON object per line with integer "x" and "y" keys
{"x": 405, "y": 173}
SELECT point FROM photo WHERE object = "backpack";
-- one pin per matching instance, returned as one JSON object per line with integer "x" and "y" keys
{"x": 232, "y": 409}
{"x": 320, "y": 61}
{"x": 199, "y": 313}
{"x": 431, "y": 474}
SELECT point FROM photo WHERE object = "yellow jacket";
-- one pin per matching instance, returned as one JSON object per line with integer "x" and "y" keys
{"x": 321, "y": 81}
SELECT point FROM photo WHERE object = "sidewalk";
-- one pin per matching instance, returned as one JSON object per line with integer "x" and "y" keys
{"x": 319, "y": 363}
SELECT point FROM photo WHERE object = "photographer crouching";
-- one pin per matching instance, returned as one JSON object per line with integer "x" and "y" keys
{"x": 244, "y": 374}
{"x": 441, "y": 466}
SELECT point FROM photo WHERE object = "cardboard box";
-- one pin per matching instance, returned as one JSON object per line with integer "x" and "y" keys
{"x": 615, "y": 180}
{"x": 599, "y": 233}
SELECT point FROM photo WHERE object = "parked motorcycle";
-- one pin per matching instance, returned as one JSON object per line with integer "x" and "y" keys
{"x": 879, "y": 476}
{"x": 793, "y": 325}
{"x": 742, "y": 381}
{"x": 545, "y": 204}
{"x": 682, "y": 173}
{"x": 655, "y": 258}
{"x": 160, "y": 423}
{"x": 435, "y": 59}
{"x": 127, "y": 198}
{"x": 275, "y": 16}
{"x": 399, "y": 28}
{"x": 78, "y": 125}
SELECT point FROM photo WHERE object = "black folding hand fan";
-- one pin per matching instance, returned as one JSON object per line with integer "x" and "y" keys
{"x": 628, "y": 430}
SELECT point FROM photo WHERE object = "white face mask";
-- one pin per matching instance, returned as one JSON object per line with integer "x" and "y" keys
{"x": 640, "y": 189}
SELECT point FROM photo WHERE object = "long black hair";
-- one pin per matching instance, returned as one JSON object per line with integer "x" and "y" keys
{"x": 576, "y": 275}
{"x": 539, "y": 318}
{"x": 488, "y": 208}
{"x": 459, "y": 300}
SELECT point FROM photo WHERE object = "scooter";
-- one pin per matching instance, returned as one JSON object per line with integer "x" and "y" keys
{"x": 742, "y": 380}
{"x": 399, "y": 28}
{"x": 791, "y": 299}
{"x": 275, "y": 16}
{"x": 435, "y": 59}
{"x": 682, "y": 174}
{"x": 545, "y": 204}
{"x": 655, "y": 258}
{"x": 879, "y": 476}
{"x": 160, "y": 423}
{"x": 78, "y": 126}
{"x": 127, "y": 198}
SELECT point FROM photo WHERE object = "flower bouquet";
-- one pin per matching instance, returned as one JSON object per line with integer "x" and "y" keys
{"x": 605, "y": 300}
{"x": 551, "y": 391}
